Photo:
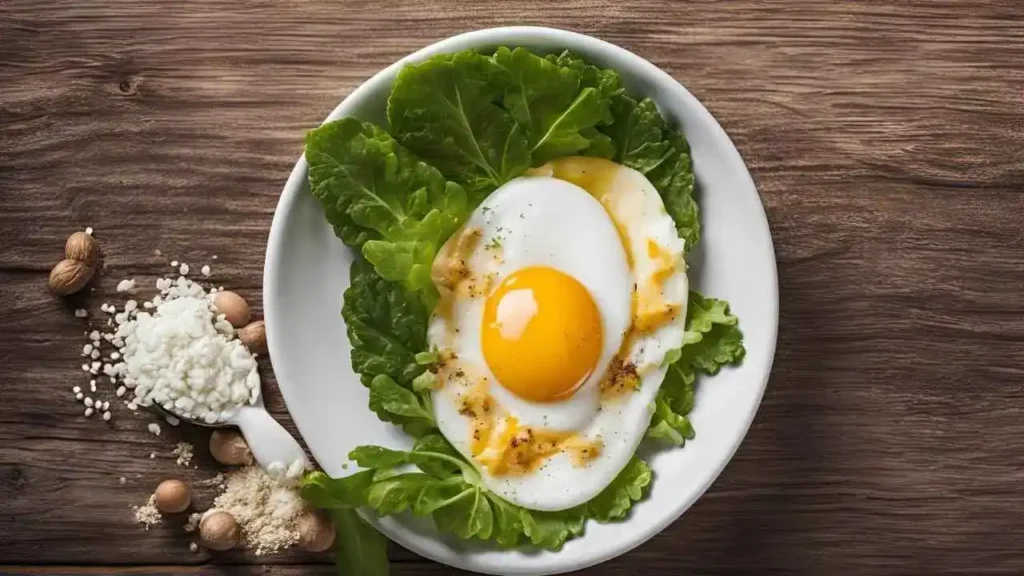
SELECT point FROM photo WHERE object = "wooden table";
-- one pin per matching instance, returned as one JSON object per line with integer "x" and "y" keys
{"x": 886, "y": 139}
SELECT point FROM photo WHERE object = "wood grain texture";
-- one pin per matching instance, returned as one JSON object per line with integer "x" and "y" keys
{"x": 886, "y": 139}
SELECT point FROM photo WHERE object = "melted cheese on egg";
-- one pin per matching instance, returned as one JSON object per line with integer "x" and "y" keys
{"x": 505, "y": 447}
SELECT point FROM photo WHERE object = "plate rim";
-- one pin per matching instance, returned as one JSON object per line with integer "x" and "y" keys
{"x": 507, "y": 35}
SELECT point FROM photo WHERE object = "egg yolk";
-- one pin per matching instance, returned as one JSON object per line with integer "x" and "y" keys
{"x": 541, "y": 334}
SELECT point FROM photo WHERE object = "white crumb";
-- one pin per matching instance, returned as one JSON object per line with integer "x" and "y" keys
{"x": 147, "y": 514}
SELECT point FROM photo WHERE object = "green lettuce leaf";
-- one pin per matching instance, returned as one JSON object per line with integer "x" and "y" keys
{"x": 450, "y": 490}
{"x": 606, "y": 81}
{"x": 447, "y": 111}
{"x": 608, "y": 84}
{"x": 714, "y": 330}
{"x": 551, "y": 530}
{"x": 328, "y": 493}
{"x": 430, "y": 452}
{"x": 382, "y": 199}
{"x": 721, "y": 346}
{"x": 359, "y": 548}
{"x": 669, "y": 423}
{"x": 412, "y": 409}
{"x": 556, "y": 112}
{"x": 387, "y": 328}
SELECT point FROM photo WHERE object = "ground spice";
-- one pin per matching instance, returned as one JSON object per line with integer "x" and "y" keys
{"x": 147, "y": 514}
{"x": 267, "y": 511}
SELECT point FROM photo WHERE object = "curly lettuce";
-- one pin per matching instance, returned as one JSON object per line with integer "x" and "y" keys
{"x": 713, "y": 340}
{"x": 387, "y": 328}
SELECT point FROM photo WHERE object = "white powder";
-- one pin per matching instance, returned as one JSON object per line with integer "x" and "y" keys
{"x": 171, "y": 350}
{"x": 183, "y": 357}
{"x": 267, "y": 511}
{"x": 193, "y": 522}
{"x": 147, "y": 514}
{"x": 184, "y": 452}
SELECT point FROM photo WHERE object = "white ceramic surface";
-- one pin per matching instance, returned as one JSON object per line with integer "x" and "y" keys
{"x": 307, "y": 271}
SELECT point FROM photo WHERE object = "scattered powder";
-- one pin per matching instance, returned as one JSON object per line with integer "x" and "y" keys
{"x": 267, "y": 511}
{"x": 122, "y": 480}
{"x": 184, "y": 452}
{"x": 88, "y": 230}
{"x": 217, "y": 480}
{"x": 126, "y": 285}
{"x": 147, "y": 514}
{"x": 205, "y": 270}
{"x": 193, "y": 547}
{"x": 81, "y": 313}
{"x": 193, "y": 522}
{"x": 154, "y": 428}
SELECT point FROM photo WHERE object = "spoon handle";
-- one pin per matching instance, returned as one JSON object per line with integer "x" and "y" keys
{"x": 272, "y": 446}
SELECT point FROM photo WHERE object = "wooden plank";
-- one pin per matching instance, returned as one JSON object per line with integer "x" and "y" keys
{"x": 885, "y": 139}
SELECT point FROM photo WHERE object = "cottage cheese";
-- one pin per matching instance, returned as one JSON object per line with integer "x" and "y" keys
{"x": 183, "y": 356}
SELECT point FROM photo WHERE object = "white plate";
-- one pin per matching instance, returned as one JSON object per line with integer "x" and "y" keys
{"x": 307, "y": 271}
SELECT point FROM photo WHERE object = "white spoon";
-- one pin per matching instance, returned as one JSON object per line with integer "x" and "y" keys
{"x": 274, "y": 449}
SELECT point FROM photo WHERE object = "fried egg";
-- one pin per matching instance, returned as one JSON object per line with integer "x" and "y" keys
{"x": 560, "y": 297}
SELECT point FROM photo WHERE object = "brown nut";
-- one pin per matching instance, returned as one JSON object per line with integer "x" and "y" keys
{"x": 82, "y": 247}
{"x": 254, "y": 337}
{"x": 70, "y": 276}
{"x": 229, "y": 447}
{"x": 218, "y": 530}
{"x": 234, "y": 308}
{"x": 172, "y": 496}
{"x": 316, "y": 531}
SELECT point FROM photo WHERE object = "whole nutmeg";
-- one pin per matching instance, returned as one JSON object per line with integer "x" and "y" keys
{"x": 70, "y": 276}
{"x": 254, "y": 337}
{"x": 229, "y": 447}
{"x": 172, "y": 496}
{"x": 234, "y": 308}
{"x": 218, "y": 530}
{"x": 83, "y": 248}
{"x": 316, "y": 531}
